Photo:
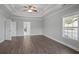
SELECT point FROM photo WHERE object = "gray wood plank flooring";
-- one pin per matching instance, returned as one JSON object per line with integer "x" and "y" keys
{"x": 38, "y": 44}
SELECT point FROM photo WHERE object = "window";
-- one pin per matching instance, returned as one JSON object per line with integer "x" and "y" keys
{"x": 70, "y": 27}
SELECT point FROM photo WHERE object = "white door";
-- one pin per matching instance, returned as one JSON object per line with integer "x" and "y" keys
{"x": 27, "y": 28}
{"x": 8, "y": 30}
{"x": 2, "y": 32}
{"x": 13, "y": 28}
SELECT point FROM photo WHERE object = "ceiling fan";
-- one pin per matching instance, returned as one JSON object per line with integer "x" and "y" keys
{"x": 30, "y": 8}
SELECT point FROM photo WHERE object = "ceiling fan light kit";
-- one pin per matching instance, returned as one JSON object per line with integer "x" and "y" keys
{"x": 30, "y": 8}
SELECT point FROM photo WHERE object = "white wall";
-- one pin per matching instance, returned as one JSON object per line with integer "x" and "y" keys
{"x": 2, "y": 28}
{"x": 36, "y": 25}
{"x": 52, "y": 27}
{"x": 36, "y": 28}
{"x": 4, "y": 17}
{"x": 7, "y": 29}
{"x": 19, "y": 28}
{"x": 13, "y": 28}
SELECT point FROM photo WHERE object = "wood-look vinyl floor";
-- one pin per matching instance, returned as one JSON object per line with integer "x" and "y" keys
{"x": 38, "y": 44}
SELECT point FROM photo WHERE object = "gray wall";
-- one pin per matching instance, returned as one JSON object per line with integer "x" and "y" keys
{"x": 19, "y": 28}
{"x": 36, "y": 25}
{"x": 4, "y": 16}
{"x": 52, "y": 26}
{"x": 2, "y": 28}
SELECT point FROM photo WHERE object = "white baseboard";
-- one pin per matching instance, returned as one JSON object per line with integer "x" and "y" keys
{"x": 29, "y": 35}
{"x": 1, "y": 41}
{"x": 36, "y": 34}
{"x": 74, "y": 48}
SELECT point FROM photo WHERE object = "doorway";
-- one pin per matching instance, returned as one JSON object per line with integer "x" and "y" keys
{"x": 27, "y": 28}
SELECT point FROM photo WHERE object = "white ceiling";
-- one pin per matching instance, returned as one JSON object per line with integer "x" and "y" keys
{"x": 18, "y": 9}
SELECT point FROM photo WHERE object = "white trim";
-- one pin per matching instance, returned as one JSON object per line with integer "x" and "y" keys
{"x": 71, "y": 14}
{"x": 74, "y": 48}
{"x": 29, "y": 35}
{"x": 1, "y": 41}
{"x": 36, "y": 34}
{"x": 60, "y": 10}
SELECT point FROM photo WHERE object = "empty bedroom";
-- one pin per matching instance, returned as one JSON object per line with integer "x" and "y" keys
{"x": 39, "y": 28}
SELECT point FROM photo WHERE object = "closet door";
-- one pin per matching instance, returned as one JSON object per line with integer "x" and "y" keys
{"x": 8, "y": 30}
{"x": 2, "y": 33}
{"x": 27, "y": 28}
{"x": 13, "y": 28}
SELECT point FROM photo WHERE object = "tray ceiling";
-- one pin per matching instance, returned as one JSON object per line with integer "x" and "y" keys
{"x": 18, "y": 9}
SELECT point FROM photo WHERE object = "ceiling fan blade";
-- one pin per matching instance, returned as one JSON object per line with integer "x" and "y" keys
{"x": 35, "y": 10}
{"x": 25, "y": 6}
{"x": 25, "y": 10}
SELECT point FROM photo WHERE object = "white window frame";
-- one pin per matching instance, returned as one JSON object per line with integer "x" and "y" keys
{"x": 72, "y": 14}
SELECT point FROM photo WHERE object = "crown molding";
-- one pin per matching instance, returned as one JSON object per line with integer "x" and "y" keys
{"x": 47, "y": 9}
{"x": 60, "y": 9}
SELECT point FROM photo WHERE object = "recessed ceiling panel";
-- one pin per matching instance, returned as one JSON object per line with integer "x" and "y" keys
{"x": 18, "y": 9}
